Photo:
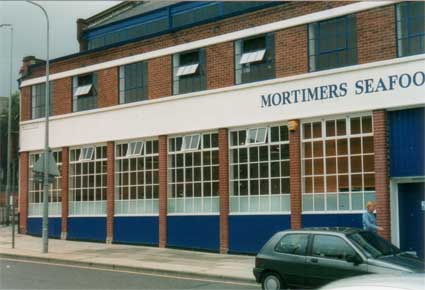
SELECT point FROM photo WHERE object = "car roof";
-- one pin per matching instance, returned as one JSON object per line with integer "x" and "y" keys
{"x": 327, "y": 230}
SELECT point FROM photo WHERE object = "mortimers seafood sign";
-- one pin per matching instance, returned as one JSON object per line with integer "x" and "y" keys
{"x": 339, "y": 90}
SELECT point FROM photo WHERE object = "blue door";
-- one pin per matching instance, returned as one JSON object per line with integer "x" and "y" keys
{"x": 411, "y": 217}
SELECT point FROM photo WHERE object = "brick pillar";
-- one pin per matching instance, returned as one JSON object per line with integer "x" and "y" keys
{"x": 110, "y": 191}
{"x": 223, "y": 159}
{"x": 163, "y": 191}
{"x": 381, "y": 173}
{"x": 23, "y": 191}
{"x": 64, "y": 196}
{"x": 295, "y": 175}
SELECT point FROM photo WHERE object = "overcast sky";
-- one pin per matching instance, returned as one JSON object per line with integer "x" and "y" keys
{"x": 30, "y": 31}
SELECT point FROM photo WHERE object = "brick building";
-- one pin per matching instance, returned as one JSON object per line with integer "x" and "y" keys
{"x": 212, "y": 125}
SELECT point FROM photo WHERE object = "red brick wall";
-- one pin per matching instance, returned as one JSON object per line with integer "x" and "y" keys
{"x": 23, "y": 197}
{"x": 107, "y": 94}
{"x": 64, "y": 192}
{"x": 376, "y": 41}
{"x": 25, "y": 103}
{"x": 381, "y": 172}
{"x": 376, "y": 34}
{"x": 264, "y": 16}
{"x": 291, "y": 51}
{"x": 159, "y": 77}
{"x": 220, "y": 65}
{"x": 295, "y": 176}
{"x": 62, "y": 96}
{"x": 162, "y": 140}
{"x": 223, "y": 159}
{"x": 110, "y": 190}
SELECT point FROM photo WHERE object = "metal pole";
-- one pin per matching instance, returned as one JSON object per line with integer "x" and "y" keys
{"x": 9, "y": 140}
{"x": 9, "y": 123}
{"x": 13, "y": 204}
{"x": 46, "y": 142}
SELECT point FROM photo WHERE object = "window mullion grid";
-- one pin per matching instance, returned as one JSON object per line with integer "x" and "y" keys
{"x": 312, "y": 164}
{"x": 362, "y": 161}
{"x": 248, "y": 157}
{"x": 144, "y": 158}
{"x": 202, "y": 172}
{"x": 270, "y": 170}
{"x": 324, "y": 174}
{"x": 349, "y": 136}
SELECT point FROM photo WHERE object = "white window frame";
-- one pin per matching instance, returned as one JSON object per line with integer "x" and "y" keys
{"x": 193, "y": 205}
{"x": 132, "y": 148}
{"x": 257, "y": 136}
{"x": 187, "y": 70}
{"x": 85, "y": 206}
{"x": 127, "y": 166}
{"x": 83, "y": 90}
{"x": 252, "y": 204}
{"x": 185, "y": 147}
{"x": 86, "y": 153}
{"x": 35, "y": 209}
{"x": 348, "y": 136}
{"x": 252, "y": 56}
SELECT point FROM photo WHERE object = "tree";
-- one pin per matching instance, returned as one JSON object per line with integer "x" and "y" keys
{"x": 14, "y": 141}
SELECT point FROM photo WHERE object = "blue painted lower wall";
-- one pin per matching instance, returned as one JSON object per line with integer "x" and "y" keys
{"x": 194, "y": 232}
{"x": 248, "y": 233}
{"x": 332, "y": 220}
{"x": 87, "y": 228}
{"x": 136, "y": 230}
{"x": 34, "y": 226}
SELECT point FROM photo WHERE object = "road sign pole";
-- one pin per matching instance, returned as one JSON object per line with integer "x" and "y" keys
{"x": 46, "y": 140}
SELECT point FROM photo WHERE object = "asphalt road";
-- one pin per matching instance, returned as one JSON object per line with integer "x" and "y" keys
{"x": 21, "y": 274}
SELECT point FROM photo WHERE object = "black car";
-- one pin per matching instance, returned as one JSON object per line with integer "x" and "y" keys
{"x": 310, "y": 258}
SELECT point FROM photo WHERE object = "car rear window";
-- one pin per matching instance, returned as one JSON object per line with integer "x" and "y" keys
{"x": 295, "y": 244}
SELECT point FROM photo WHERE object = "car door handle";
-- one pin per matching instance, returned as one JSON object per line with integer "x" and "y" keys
{"x": 314, "y": 260}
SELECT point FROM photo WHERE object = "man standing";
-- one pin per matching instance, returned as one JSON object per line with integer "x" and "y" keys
{"x": 369, "y": 220}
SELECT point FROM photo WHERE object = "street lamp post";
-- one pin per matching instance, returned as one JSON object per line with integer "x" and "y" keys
{"x": 9, "y": 142}
{"x": 46, "y": 141}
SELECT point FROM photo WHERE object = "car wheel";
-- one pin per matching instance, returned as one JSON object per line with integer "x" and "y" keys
{"x": 271, "y": 281}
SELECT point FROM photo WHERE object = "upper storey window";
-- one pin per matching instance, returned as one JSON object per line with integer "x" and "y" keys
{"x": 133, "y": 82}
{"x": 84, "y": 92}
{"x": 189, "y": 74}
{"x": 38, "y": 100}
{"x": 410, "y": 28}
{"x": 332, "y": 43}
{"x": 254, "y": 59}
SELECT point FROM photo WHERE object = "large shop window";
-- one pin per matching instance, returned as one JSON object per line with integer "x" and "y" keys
{"x": 332, "y": 43}
{"x": 136, "y": 178}
{"x": 84, "y": 92}
{"x": 410, "y": 28}
{"x": 38, "y": 100}
{"x": 254, "y": 59}
{"x": 133, "y": 82}
{"x": 193, "y": 174}
{"x": 189, "y": 72}
{"x": 338, "y": 164}
{"x": 35, "y": 202}
{"x": 87, "y": 181}
{"x": 259, "y": 170}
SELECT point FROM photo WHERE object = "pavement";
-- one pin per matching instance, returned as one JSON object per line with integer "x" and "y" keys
{"x": 181, "y": 263}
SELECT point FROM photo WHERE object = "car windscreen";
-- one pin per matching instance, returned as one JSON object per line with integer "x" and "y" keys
{"x": 372, "y": 244}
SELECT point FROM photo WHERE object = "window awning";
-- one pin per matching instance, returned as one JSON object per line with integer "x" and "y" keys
{"x": 187, "y": 70}
{"x": 83, "y": 90}
{"x": 253, "y": 56}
